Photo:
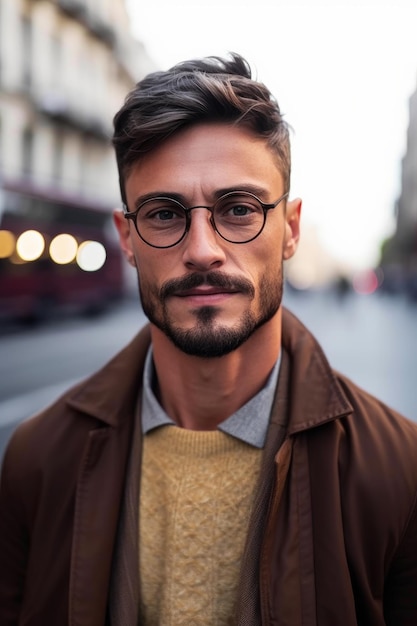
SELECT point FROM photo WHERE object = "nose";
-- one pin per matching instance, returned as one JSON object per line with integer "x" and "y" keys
{"x": 202, "y": 249}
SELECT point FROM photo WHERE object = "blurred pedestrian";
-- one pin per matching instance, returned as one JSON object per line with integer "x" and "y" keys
{"x": 217, "y": 470}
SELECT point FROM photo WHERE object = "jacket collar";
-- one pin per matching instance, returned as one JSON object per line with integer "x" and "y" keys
{"x": 110, "y": 395}
{"x": 315, "y": 395}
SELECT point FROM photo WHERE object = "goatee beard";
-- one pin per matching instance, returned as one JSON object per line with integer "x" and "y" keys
{"x": 208, "y": 339}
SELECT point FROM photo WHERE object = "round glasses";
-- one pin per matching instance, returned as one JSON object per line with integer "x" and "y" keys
{"x": 237, "y": 216}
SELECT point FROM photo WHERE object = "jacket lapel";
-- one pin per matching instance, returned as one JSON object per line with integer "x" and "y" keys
{"x": 98, "y": 497}
{"x": 109, "y": 396}
{"x": 308, "y": 395}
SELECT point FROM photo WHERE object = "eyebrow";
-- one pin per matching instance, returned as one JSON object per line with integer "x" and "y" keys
{"x": 261, "y": 192}
{"x": 157, "y": 194}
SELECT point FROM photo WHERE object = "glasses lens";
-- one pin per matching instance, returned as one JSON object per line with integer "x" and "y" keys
{"x": 161, "y": 222}
{"x": 239, "y": 217}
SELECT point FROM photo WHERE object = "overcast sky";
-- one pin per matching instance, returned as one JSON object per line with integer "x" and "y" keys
{"x": 342, "y": 73}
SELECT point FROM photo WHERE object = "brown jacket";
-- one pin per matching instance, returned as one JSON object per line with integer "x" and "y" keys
{"x": 333, "y": 539}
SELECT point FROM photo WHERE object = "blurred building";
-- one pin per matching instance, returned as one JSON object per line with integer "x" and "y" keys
{"x": 313, "y": 267}
{"x": 65, "y": 69}
{"x": 399, "y": 253}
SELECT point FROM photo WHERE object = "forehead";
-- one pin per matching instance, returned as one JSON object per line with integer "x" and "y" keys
{"x": 201, "y": 159}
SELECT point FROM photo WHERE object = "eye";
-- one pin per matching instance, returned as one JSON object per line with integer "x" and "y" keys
{"x": 161, "y": 210}
{"x": 238, "y": 208}
{"x": 164, "y": 214}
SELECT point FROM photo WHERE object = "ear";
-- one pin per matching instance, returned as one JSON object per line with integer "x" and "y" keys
{"x": 123, "y": 228}
{"x": 292, "y": 227}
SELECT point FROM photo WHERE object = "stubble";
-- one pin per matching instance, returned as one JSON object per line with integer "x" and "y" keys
{"x": 208, "y": 338}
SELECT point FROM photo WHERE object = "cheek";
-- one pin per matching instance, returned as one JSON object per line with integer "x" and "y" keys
{"x": 154, "y": 268}
{"x": 266, "y": 260}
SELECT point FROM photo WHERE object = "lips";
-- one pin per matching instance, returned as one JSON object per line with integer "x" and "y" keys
{"x": 208, "y": 291}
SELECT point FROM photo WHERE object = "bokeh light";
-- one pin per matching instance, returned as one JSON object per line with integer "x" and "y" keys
{"x": 63, "y": 249}
{"x": 30, "y": 245}
{"x": 365, "y": 283}
{"x": 7, "y": 244}
{"x": 91, "y": 256}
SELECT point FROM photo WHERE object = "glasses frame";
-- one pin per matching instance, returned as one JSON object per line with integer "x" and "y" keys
{"x": 266, "y": 206}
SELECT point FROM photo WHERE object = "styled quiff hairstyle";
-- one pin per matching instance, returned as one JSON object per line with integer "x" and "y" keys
{"x": 212, "y": 89}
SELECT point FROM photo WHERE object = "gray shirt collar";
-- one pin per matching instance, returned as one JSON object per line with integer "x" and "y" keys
{"x": 249, "y": 423}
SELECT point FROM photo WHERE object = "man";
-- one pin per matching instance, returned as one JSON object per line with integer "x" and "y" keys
{"x": 217, "y": 470}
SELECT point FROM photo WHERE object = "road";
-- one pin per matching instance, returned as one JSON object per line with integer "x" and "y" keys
{"x": 372, "y": 339}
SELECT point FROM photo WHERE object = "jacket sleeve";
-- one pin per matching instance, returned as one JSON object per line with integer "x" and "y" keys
{"x": 14, "y": 543}
{"x": 400, "y": 601}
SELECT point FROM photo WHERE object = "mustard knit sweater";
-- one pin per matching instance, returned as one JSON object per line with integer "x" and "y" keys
{"x": 196, "y": 497}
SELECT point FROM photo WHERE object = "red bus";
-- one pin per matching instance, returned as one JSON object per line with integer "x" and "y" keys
{"x": 56, "y": 254}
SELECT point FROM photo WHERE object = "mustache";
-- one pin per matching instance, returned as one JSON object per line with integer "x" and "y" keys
{"x": 212, "y": 279}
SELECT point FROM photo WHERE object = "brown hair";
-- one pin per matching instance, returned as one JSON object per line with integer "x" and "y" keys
{"x": 212, "y": 89}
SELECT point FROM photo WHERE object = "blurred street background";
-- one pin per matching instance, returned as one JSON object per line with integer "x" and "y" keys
{"x": 68, "y": 299}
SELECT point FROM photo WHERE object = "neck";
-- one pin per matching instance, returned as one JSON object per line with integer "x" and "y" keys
{"x": 199, "y": 393}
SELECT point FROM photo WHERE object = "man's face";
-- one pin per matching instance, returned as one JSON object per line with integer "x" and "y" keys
{"x": 206, "y": 294}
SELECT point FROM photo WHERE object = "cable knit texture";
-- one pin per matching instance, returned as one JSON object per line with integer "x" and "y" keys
{"x": 196, "y": 497}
